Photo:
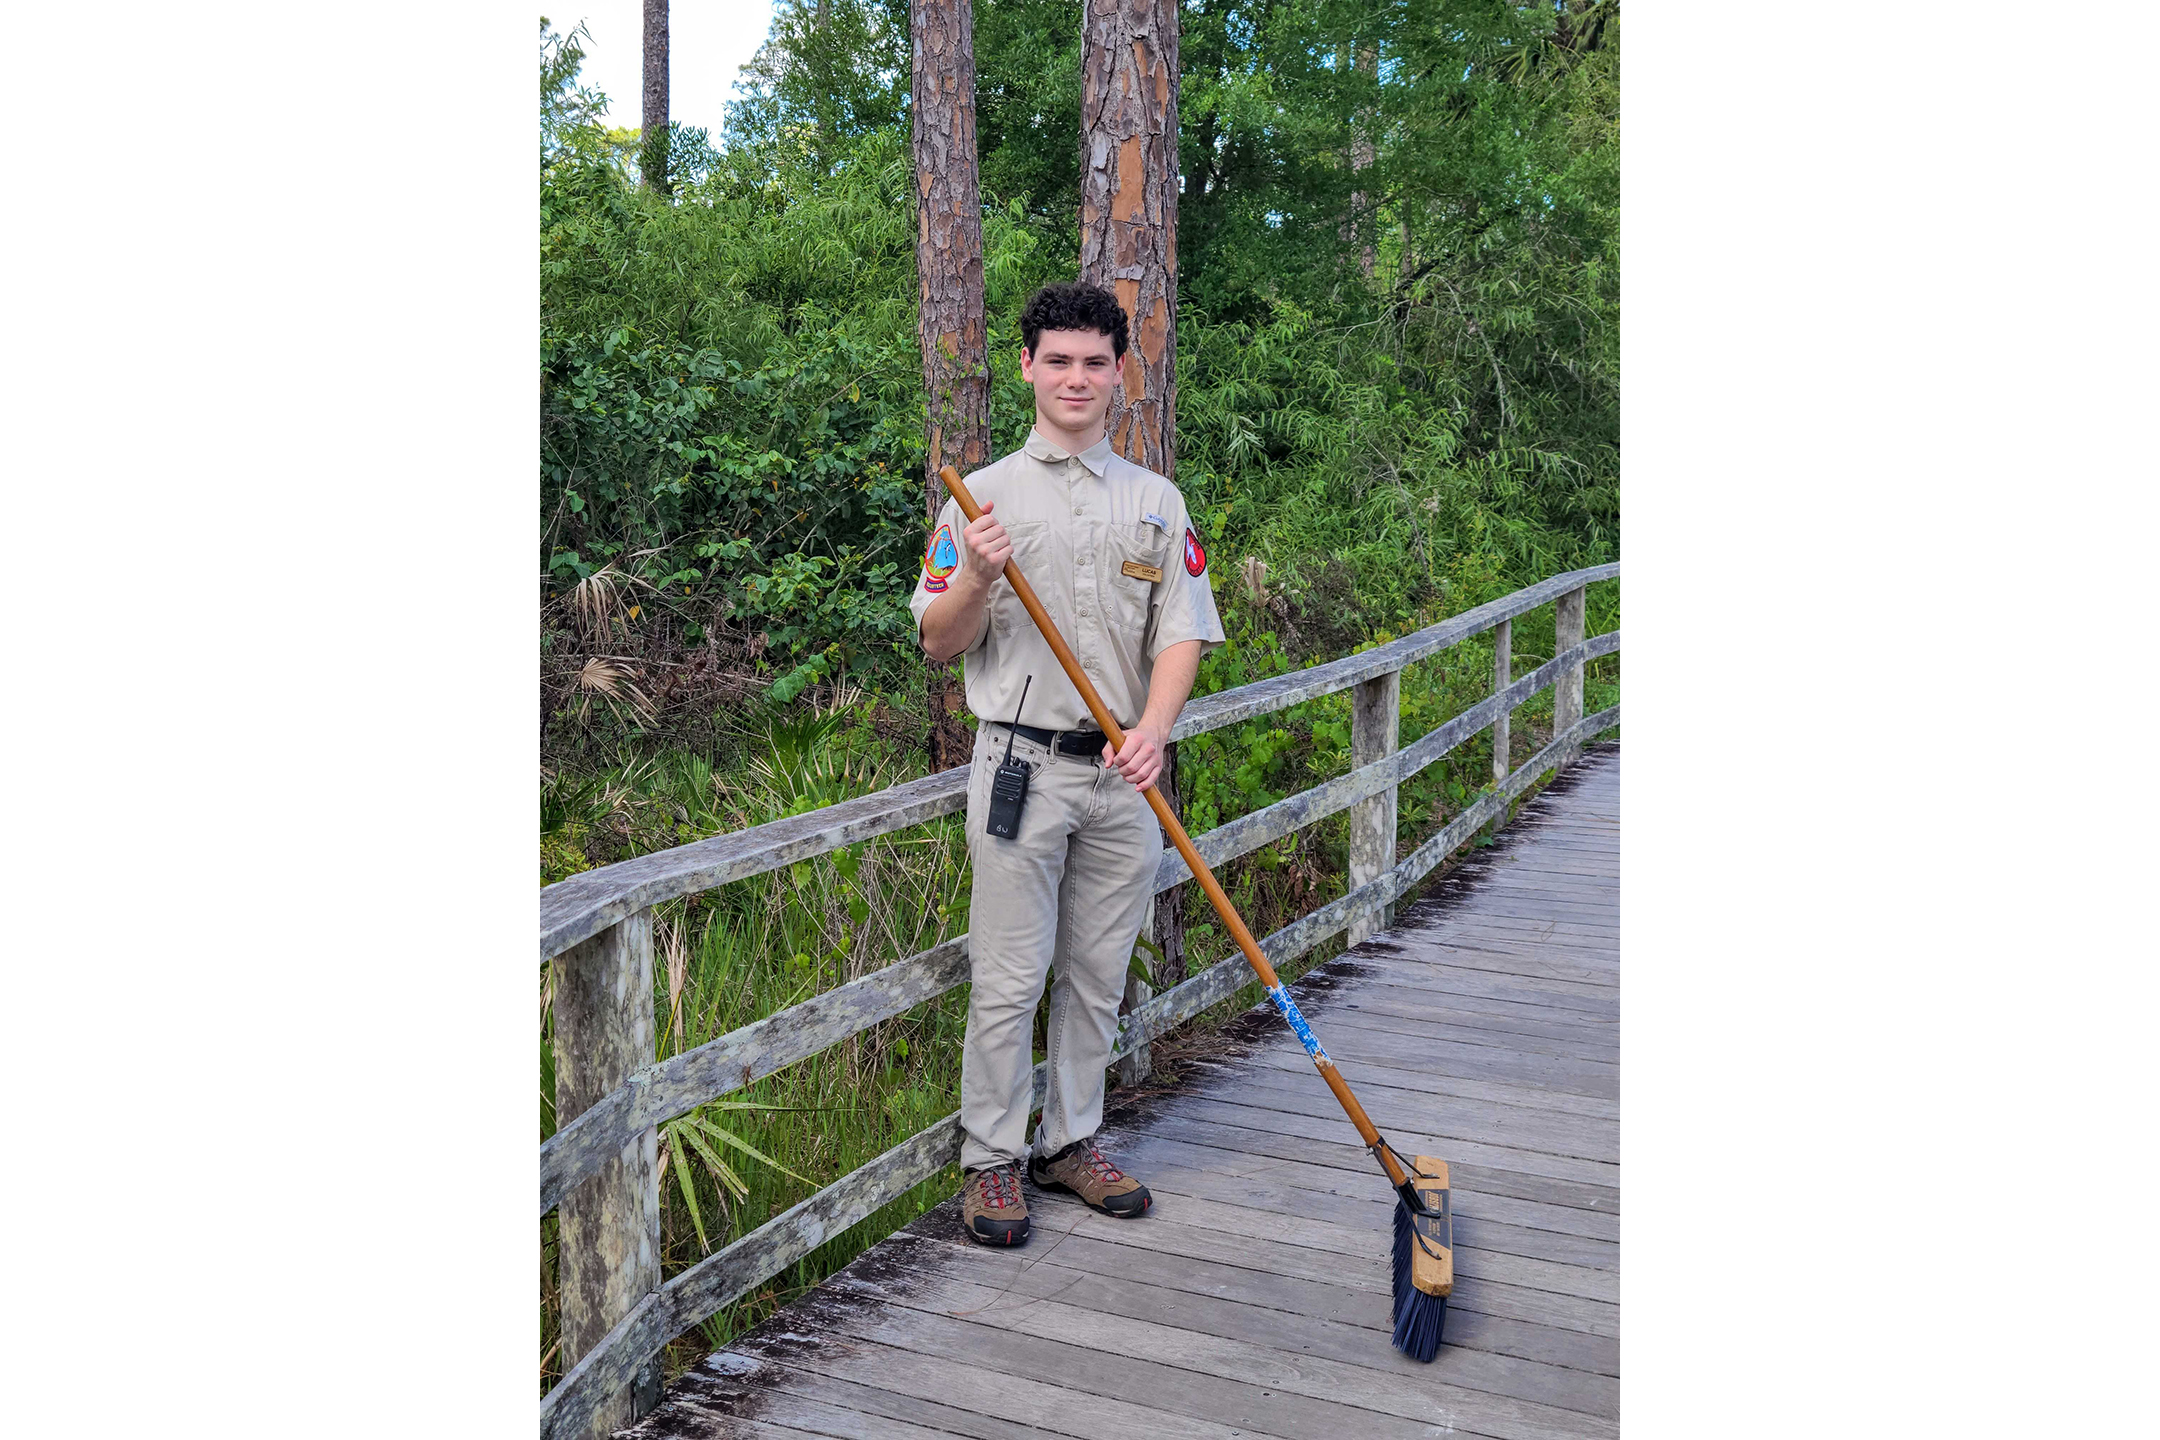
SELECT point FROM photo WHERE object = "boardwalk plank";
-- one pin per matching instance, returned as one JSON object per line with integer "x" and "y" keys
{"x": 1584, "y": 927}
{"x": 1458, "y": 1119}
{"x": 1391, "y": 1048}
{"x": 1565, "y": 938}
{"x": 1582, "y": 883}
{"x": 1378, "y": 1000}
{"x": 1588, "y": 914}
{"x": 1558, "y": 901}
{"x": 1299, "y": 1079}
{"x": 1379, "y": 1022}
{"x": 1323, "y": 1139}
{"x": 1406, "y": 1056}
{"x": 1526, "y": 851}
{"x": 1506, "y": 957}
{"x": 1435, "y": 968}
{"x": 1457, "y": 980}
{"x": 1396, "y": 983}
{"x": 1426, "y": 1079}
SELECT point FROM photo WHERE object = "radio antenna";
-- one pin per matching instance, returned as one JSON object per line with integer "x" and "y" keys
{"x": 1010, "y": 730}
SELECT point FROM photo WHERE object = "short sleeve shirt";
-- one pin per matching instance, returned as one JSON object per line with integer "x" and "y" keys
{"x": 1115, "y": 560}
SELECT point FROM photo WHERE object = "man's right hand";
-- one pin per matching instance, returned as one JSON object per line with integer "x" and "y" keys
{"x": 988, "y": 550}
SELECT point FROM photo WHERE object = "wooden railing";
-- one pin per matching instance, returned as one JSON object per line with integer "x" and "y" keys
{"x": 600, "y": 1167}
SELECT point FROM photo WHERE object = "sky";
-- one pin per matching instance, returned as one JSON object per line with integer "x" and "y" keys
{"x": 707, "y": 43}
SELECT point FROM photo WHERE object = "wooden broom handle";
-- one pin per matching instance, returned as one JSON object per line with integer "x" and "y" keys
{"x": 1170, "y": 823}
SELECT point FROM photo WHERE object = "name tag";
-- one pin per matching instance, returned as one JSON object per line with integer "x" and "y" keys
{"x": 1150, "y": 573}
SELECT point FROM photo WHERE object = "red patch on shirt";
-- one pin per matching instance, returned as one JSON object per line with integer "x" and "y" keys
{"x": 1195, "y": 557}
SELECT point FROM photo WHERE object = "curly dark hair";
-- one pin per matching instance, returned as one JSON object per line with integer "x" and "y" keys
{"x": 1078, "y": 306}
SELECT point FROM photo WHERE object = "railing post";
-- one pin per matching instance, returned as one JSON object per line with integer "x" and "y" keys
{"x": 1169, "y": 930}
{"x": 1165, "y": 926}
{"x": 1503, "y": 667}
{"x": 608, "y": 1251}
{"x": 1375, "y": 726}
{"x": 1567, "y": 690}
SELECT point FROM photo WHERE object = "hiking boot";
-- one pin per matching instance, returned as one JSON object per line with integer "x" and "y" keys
{"x": 992, "y": 1206}
{"x": 1081, "y": 1169}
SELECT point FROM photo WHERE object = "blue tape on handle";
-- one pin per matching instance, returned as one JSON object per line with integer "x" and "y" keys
{"x": 1290, "y": 1012}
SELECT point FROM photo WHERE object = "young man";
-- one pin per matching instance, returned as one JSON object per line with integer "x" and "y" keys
{"x": 1115, "y": 561}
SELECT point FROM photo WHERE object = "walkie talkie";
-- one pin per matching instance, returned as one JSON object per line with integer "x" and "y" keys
{"x": 1008, "y": 790}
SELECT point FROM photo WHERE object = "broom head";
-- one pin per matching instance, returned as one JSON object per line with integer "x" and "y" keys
{"x": 1424, "y": 1261}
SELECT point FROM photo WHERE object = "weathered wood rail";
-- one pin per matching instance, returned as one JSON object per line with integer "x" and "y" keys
{"x": 600, "y": 1167}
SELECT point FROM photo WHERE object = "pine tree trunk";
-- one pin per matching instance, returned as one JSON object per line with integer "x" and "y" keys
{"x": 1128, "y": 207}
{"x": 653, "y": 150}
{"x": 949, "y": 261}
{"x": 1128, "y": 242}
{"x": 1361, "y": 158}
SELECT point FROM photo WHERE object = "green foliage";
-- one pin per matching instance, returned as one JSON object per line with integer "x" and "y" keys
{"x": 764, "y": 492}
{"x": 832, "y": 72}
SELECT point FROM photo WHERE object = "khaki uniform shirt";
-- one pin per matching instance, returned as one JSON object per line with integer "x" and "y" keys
{"x": 1112, "y": 555}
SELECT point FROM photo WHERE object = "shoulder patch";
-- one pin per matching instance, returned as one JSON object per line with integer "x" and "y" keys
{"x": 1195, "y": 555}
{"x": 940, "y": 559}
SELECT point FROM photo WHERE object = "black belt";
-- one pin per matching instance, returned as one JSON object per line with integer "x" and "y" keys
{"x": 1065, "y": 742}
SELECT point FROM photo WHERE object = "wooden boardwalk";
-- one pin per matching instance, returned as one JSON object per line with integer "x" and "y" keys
{"x": 1252, "y": 1300}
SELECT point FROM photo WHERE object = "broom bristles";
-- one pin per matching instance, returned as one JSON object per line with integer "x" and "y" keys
{"x": 1419, "y": 1317}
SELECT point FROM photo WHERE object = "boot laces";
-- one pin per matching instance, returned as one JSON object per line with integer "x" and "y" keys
{"x": 1000, "y": 1187}
{"x": 1098, "y": 1166}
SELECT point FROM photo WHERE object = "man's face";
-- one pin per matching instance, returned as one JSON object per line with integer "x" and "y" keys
{"x": 1073, "y": 372}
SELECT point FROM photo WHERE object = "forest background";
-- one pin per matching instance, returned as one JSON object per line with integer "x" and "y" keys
{"x": 1398, "y": 398}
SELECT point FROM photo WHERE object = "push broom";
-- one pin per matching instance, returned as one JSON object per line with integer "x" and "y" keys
{"x": 1424, "y": 1255}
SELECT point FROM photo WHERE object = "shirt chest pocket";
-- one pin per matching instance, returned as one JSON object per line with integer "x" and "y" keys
{"x": 1133, "y": 567}
{"x": 1034, "y": 551}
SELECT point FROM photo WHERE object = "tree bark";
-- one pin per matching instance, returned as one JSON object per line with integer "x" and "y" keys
{"x": 1128, "y": 207}
{"x": 1361, "y": 158}
{"x": 1128, "y": 243}
{"x": 949, "y": 263}
{"x": 653, "y": 149}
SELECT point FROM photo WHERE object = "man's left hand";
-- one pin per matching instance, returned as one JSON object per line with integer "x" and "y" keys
{"x": 1142, "y": 758}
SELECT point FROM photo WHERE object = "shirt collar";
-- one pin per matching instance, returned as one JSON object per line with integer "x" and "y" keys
{"x": 1096, "y": 457}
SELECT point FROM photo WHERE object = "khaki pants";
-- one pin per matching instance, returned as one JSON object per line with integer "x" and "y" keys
{"x": 1069, "y": 892}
